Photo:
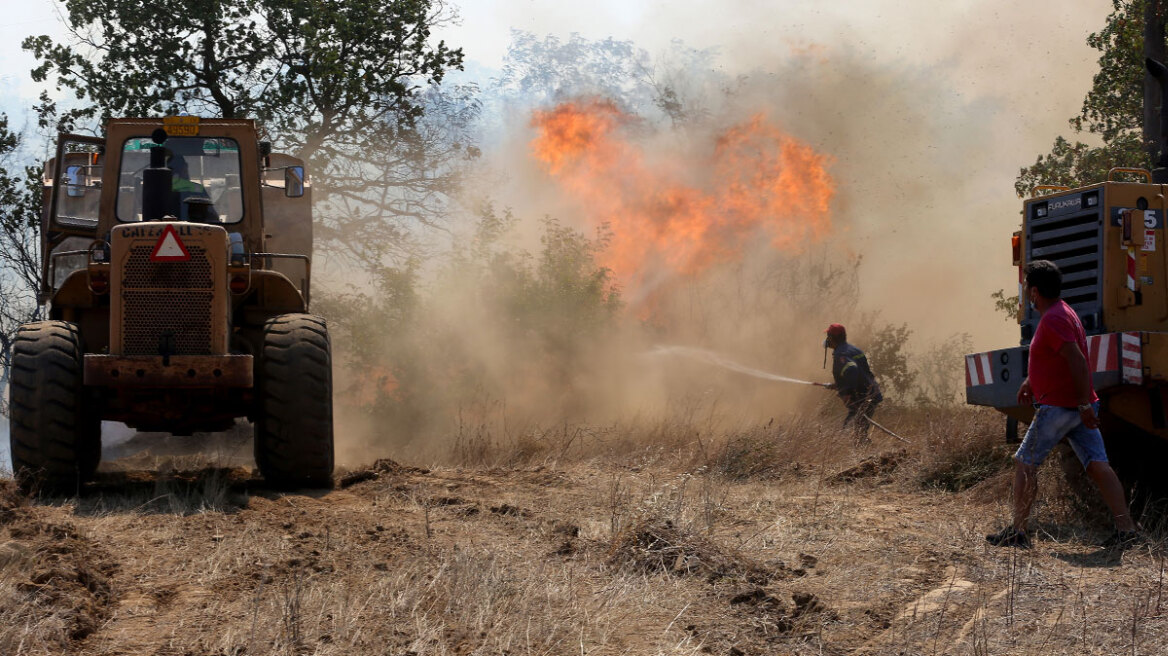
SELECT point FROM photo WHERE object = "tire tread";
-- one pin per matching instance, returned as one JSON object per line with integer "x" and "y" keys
{"x": 294, "y": 428}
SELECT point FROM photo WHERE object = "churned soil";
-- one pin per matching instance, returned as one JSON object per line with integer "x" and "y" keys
{"x": 597, "y": 555}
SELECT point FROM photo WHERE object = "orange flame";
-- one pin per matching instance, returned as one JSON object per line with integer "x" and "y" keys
{"x": 760, "y": 182}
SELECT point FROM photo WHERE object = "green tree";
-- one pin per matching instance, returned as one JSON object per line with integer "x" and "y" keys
{"x": 936, "y": 382}
{"x": 1113, "y": 109}
{"x": 496, "y": 320}
{"x": 888, "y": 356}
{"x": 344, "y": 84}
{"x": 1007, "y": 305}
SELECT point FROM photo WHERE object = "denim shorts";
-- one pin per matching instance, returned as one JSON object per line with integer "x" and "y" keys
{"x": 1050, "y": 425}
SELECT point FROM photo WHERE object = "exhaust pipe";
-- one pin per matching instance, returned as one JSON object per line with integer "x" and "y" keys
{"x": 156, "y": 181}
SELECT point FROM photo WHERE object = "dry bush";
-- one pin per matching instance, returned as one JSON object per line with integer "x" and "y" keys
{"x": 171, "y": 489}
{"x": 965, "y": 466}
{"x": 791, "y": 446}
{"x": 11, "y": 498}
{"x": 955, "y": 448}
{"x": 951, "y": 448}
{"x": 658, "y": 546}
{"x": 749, "y": 455}
{"x": 54, "y": 585}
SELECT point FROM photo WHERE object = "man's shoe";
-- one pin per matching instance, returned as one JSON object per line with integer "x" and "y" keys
{"x": 1121, "y": 540}
{"x": 1009, "y": 537}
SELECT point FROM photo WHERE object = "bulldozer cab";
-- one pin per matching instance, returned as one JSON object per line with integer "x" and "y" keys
{"x": 221, "y": 174}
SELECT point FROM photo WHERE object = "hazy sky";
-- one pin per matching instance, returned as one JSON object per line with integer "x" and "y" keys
{"x": 981, "y": 39}
{"x": 1032, "y": 55}
{"x": 1010, "y": 73}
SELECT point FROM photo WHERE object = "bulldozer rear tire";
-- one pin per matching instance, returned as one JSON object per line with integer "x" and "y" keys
{"x": 294, "y": 418}
{"x": 55, "y": 433}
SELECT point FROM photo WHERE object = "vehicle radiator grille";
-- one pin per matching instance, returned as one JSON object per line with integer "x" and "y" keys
{"x": 1074, "y": 241}
{"x": 141, "y": 273}
{"x": 167, "y": 303}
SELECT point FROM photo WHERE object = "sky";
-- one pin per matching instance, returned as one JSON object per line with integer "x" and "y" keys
{"x": 983, "y": 42}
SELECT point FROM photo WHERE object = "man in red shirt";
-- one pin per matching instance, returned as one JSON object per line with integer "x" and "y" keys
{"x": 1059, "y": 386}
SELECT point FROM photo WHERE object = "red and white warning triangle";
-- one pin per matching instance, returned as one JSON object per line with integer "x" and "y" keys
{"x": 169, "y": 247}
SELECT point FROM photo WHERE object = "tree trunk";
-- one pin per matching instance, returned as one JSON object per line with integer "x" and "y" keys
{"x": 1154, "y": 48}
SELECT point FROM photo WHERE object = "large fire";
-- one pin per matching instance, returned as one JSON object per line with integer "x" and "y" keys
{"x": 672, "y": 214}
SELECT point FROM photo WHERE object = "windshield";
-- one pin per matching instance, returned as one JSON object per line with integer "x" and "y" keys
{"x": 204, "y": 180}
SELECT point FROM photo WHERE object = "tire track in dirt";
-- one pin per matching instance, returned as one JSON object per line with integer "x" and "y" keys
{"x": 945, "y": 598}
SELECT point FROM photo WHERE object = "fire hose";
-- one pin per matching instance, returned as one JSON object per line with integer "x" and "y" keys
{"x": 710, "y": 357}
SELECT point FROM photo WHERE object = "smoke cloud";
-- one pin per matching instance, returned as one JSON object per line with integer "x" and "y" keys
{"x": 919, "y": 132}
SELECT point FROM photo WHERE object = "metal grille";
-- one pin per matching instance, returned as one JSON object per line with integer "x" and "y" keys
{"x": 1072, "y": 239}
{"x": 141, "y": 273}
{"x": 167, "y": 303}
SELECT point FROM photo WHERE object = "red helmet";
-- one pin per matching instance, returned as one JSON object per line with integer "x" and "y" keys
{"x": 836, "y": 330}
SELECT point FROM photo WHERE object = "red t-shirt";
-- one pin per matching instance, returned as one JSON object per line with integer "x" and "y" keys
{"x": 1050, "y": 374}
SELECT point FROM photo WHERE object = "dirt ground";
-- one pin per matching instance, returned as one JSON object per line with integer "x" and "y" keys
{"x": 671, "y": 548}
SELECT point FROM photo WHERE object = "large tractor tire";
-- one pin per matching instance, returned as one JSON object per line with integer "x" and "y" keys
{"x": 294, "y": 390}
{"x": 54, "y": 431}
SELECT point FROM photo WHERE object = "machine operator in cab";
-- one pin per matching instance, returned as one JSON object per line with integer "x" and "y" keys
{"x": 189, "y": 199}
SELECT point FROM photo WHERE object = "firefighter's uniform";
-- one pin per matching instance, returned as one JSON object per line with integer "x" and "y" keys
{"x": 855, "y": 384}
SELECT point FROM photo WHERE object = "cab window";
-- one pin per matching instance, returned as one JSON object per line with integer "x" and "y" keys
{"x": 204, "y": 179}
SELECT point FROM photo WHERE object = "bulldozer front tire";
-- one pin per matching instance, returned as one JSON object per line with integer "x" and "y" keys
{"x": 294, "y": 418}
{"x": 55, "y": 434}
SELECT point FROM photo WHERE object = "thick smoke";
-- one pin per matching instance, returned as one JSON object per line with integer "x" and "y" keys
{"x": 920, "y": 221}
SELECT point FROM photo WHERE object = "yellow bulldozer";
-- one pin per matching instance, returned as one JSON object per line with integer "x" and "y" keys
{"x": 176, "y": 270}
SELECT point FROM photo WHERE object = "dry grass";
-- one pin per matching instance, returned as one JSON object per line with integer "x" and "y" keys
{"x": 683, "y": 538}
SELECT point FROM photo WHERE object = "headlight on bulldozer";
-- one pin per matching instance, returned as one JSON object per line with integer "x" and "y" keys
{"x": 98, "y": 266}
{"x": 238, "y": 279}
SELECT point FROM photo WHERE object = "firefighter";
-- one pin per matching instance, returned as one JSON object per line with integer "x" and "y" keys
{"x": 854, "y": 382}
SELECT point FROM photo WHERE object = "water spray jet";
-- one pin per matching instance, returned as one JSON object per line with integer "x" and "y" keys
{"x": 709, "y": 357}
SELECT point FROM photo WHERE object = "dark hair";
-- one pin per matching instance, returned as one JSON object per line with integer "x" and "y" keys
{"x": 1045, "y": 275}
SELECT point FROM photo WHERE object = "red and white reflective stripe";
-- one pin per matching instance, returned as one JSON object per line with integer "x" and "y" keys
{"x": 1107, "y": 353}
{"x": 1102, "y": 353}
{"x": 977, "y": 370}
{"x": 1131, "y": 268}
{"x": 1132, "y": 352}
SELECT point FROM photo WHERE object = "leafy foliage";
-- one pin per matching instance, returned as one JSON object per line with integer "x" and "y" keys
{"x": 344, "y": 85}
{"x": 1007, "y": 305}
{"x": 497, "y": 320}
{"x": 539, "y": 71}
{"x": 1078, "y": 164}
{"x": 936, "y": 383}
{"x": 1112, "y": 109}
{"x": 889, "y": 358}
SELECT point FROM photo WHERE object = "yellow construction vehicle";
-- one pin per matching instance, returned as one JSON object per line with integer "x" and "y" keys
{"x": 176, "y": 269}
{"x": 1108, "y": 241}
